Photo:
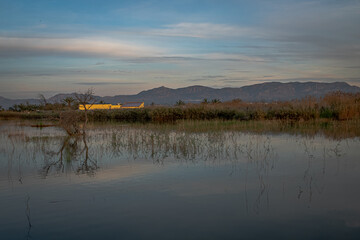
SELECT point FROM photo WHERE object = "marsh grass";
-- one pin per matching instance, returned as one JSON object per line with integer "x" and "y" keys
{"x": 334, "y": 106}
{"x": 328, "y": 128}
{"x": 42, "y": 115}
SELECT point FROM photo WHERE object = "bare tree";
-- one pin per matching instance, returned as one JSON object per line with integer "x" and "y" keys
{"x": 68, "y": 101}
{"x": 86, "y": 100}
{"x": 69, "y": 121}
{"x": 42, "y": 99}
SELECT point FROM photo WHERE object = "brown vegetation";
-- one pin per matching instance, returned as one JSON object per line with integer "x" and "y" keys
{"x": 69, "y": 121}
{"x": 86, "y": 98}
{"x": 334, "y": 106}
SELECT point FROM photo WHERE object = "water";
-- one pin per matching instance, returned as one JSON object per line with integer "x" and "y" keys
{"x": 143, "y": 183}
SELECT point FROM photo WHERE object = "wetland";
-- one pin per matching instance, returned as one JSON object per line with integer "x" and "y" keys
{"x": 189, "y": 180}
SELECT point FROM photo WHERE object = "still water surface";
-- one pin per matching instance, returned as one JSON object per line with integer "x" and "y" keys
{"x": 142, "y": 183}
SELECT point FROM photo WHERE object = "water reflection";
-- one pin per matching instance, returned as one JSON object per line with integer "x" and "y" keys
{"x": 316, "y": 156}
{"x": 129, "y": 173}
{"x": 261, "y": 154}
{"x": 71, "y": 151}
{"x": 55, "y": 153}
{"x": 28, "y": 217}
{"x": 240, "y": 153}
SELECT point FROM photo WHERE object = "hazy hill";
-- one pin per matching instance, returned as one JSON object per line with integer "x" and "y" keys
{"x": 6, "y": 103}
{"x": 273, "y": 91}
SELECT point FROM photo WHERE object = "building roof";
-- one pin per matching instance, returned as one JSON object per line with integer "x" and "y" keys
{"x": 132, "y": 104}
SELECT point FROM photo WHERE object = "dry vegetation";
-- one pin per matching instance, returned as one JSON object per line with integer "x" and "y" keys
{"x": 334, "y": 106}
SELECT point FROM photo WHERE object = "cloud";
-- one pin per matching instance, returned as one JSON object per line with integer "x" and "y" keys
{"x": 177, "y": 58}
{"x": 235, "y": 80}
{"x": 203, "y": 30}
{"x": 108, "y": 83}
{"x": 304, "y": 79}
{"x": 231, "y": 57}
{"x": 314, "y": 30}
{"x": 196, "y": 80}
{"x": 205, "y": 78}
{"x": 353, "y": 67}
{"x": 73, "y": 46}
{"x": 293, "y": 30}
{"x": 336, "y": 21}
{"x": 164, "y": 59}
{"x": 79, "y": 47}
{"x": 213, "y": 76}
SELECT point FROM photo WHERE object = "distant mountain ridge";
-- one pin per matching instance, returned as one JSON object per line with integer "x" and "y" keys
{"x": 272, "y": 91}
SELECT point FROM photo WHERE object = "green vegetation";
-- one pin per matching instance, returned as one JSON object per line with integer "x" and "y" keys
{"x": 65, "y": 105}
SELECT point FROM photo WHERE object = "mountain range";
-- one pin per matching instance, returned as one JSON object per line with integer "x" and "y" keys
{"x": 272, "y": 91}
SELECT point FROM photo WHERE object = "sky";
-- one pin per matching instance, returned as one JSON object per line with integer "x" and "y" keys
{"x": 126, "y": 46}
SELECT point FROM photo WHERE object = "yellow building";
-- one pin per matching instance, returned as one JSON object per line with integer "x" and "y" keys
{"x": 99, "y": 106}
{"x": 110, "y": 106}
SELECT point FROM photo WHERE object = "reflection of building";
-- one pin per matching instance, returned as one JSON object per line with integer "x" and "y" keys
{"x": 110, "y": 106}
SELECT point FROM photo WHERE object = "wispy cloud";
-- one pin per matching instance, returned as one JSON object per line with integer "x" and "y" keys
{"x": 315, "y": 30}
{"x": 179, "y": 58}
{"x": 108, "y": 83}
{"x": 79, "y": 47}
{"x": 231, "y": 57}
{"x": 74, "y": 46}
{"x": 145, "y": 43}
{"x": 308, "y": 79}
{"x": 203, "y": 30}
{"x": 213, "y": 76}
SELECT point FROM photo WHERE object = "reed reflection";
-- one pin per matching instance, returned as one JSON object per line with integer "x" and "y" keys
{"x": 261, "y": 155}
{"x": 253, "y": 157}
{"x": 28, "y": 217}
{"x": 316, "y": 159}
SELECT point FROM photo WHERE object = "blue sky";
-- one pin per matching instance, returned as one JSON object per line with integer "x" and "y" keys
{"x": 124, "y": 47}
